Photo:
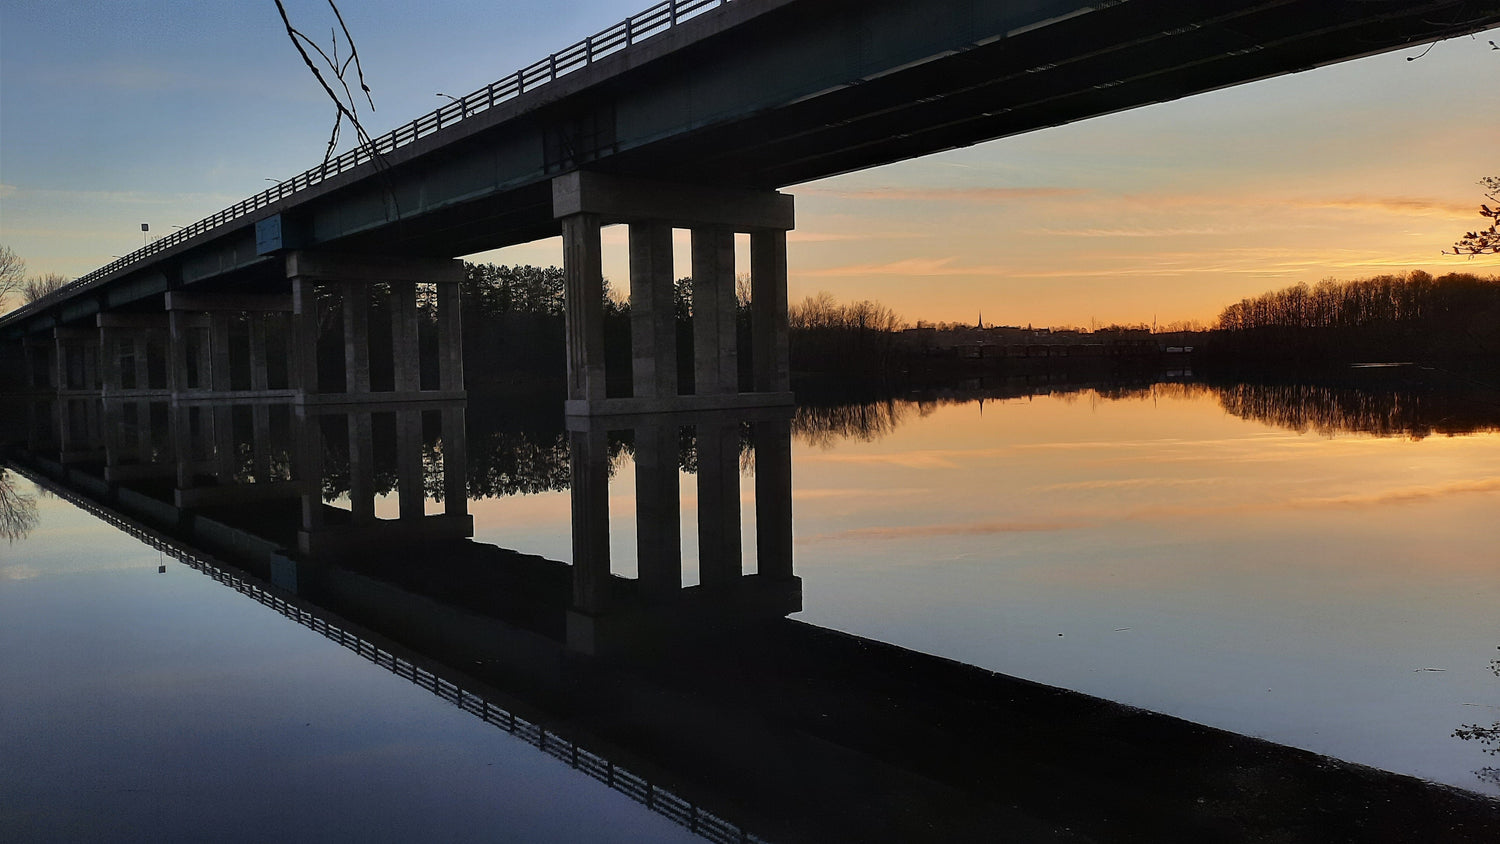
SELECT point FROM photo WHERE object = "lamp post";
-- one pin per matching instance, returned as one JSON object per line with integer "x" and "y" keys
{"x": 463, "y": 107}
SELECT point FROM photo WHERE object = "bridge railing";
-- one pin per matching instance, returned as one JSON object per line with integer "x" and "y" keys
{"x": 634, "y": 29}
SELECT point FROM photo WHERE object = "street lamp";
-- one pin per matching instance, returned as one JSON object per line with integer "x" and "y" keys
{"x": 463, "y": 106}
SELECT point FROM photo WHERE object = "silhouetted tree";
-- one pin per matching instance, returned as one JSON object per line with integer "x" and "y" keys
{"x": 36, "y": 287}
{"x": 12, "y": 273}
{"x": 1484, "y": 241}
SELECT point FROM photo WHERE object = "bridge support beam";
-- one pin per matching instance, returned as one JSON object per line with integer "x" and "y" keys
{"x": 357, "y": 278}
{"x": 584, "y": 202}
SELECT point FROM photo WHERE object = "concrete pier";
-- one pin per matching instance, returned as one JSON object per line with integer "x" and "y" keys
{"x": 357, "y": 279}
{"x": 583, "y": 202}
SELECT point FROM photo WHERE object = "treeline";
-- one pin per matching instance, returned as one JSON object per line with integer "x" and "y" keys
{"x": 1410, "y": 316}
{"x": 858, "y": 338}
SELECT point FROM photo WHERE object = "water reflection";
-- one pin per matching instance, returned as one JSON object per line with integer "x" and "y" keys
{"x": 17, "y": 509}
{"x": 705, "y": 702}
{"x": 1380, "y": 405}
{"x": 1487, "y": 737}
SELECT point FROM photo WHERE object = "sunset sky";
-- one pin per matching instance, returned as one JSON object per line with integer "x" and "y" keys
{"x": 164, "y": 112}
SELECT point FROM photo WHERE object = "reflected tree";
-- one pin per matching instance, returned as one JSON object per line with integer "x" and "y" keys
{"x": 1488, "y": 737}
{"x": 18, "y": 515}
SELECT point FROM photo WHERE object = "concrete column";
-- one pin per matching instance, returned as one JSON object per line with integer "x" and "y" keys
{"x": 361, "y": 466}
{"x": 260, "y": 376}
{"x": 143, "y": 360}
{"x": 261, "y": 441}
{"x": 658, "y": 503}
{"x": 653, "y": 319}
{"x": 91, "y": 376}
{"x": 588, "y": 453}
{"x": 356, "y": 337}
{"x": 218, "y": 341}
{"x": 715, "y": 361}
{"x": 309, "y": 468}
{"x": 304, "y": 337}
{"x": 768, "y": 311}
{"x": 114, "y": 432}
{"x": 203, "y": 337}
{"x": 584, "y": 306}
{"x": 184, "y": 440}
{"x": 409, "y": 463}
{"x": 177, "y": 342}
{"x": 61, "y": 353}
{"x": 455, "y": 463}
{"x": 143, "y": 431}
{"x": 406, "y": 356}
{"x": 109, "y": 344}
{"x": 773, "y": 498}
{"x": 226, "y": 458}
{"x": 450, "y": 337}
{"x": 720, "y": 560}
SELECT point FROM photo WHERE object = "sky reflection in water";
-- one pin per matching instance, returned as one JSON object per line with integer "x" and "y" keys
{"x": 1161, "y": 551}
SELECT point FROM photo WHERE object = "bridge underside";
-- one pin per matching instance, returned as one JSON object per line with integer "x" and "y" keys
{"x": 977, "y": 85}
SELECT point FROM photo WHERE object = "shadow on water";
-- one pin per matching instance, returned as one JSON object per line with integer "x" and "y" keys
{"x": 705, "y": 703}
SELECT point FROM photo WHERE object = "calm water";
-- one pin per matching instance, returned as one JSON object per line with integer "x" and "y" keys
{"x": 1316, "y": 567}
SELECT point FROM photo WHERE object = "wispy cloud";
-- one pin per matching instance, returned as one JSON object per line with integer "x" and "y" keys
{"x": 1404, "y": 205}
{"x": 19, "y": 193}
{"x": 1076, "y": 521}
{"x": 1128, "y": 483}
{"x": 796, "y": 236}
{"x": 844, "y": 494}
{"x": 1143, "y": 231}
{"x": 987, "y": 528}
{"x": 905, "y": 267}
{"x": 944, "y": 194}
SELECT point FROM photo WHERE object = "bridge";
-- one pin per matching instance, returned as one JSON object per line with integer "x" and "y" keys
{"x": 691, "y": 114}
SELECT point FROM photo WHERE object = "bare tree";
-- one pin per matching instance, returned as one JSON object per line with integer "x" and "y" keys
{"x": 17, "y": 510}
{"x": 38, "y": 286}
{"x": 12, "y": 273}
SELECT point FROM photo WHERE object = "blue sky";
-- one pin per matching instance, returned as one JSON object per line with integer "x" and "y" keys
{"x": 114, "y": 114}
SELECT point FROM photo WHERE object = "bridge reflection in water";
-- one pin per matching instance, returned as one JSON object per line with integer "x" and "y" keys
{"x": 704, "y": 703}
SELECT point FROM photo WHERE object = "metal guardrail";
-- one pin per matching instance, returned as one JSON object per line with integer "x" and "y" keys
{"x": 617, "y": 777}
{"x": 634, "y": 29}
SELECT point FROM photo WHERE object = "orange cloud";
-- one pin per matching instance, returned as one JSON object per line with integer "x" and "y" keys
{"x": 957, "y": 194}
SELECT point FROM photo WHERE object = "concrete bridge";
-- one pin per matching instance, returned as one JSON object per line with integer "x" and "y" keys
{"x": 690, "y": 115}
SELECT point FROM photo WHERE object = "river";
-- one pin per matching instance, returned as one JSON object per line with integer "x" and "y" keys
{"x": 1310, "y": 564}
